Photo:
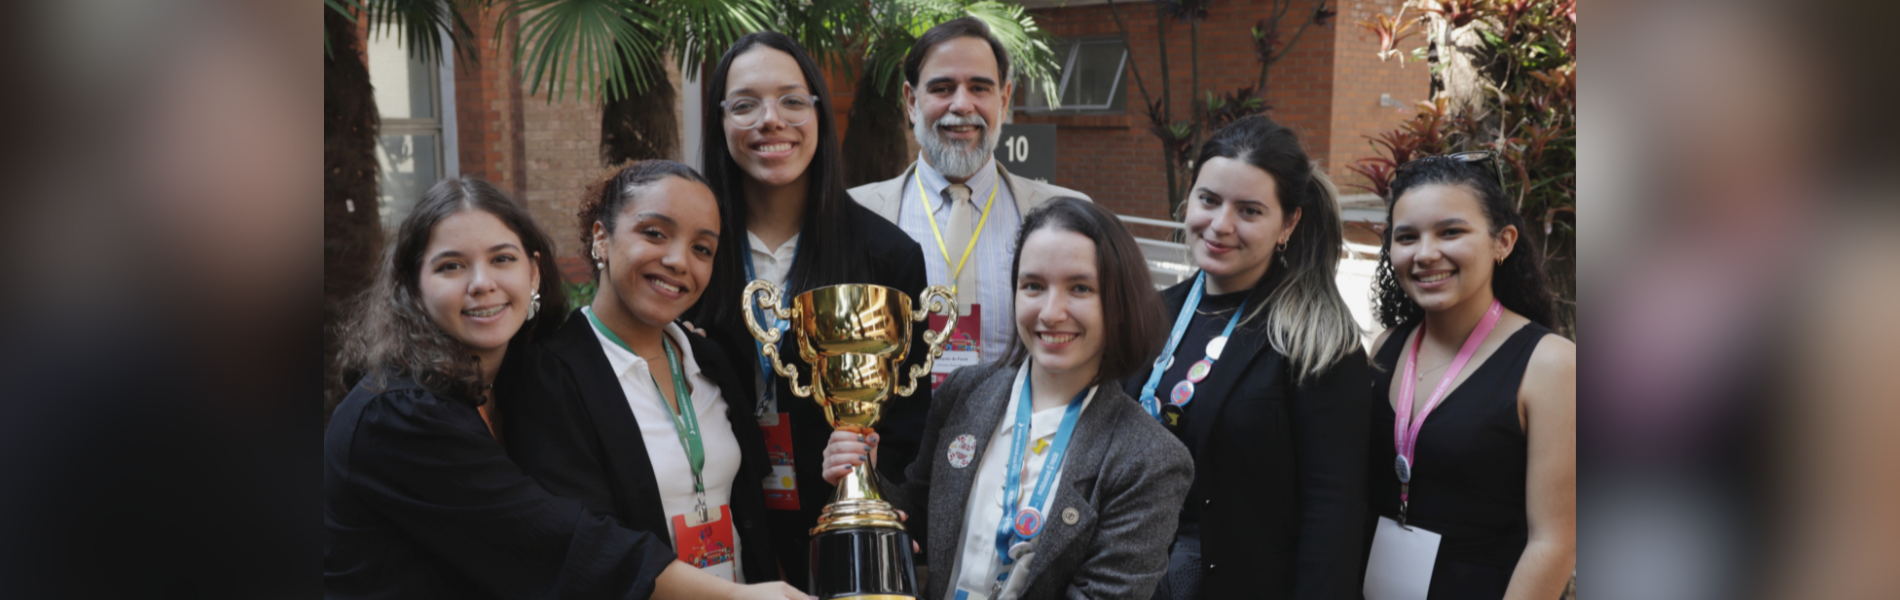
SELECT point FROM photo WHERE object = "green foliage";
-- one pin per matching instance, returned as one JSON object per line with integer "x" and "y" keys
{"x": 898, "y": 23}
{"x": 580, "y": 294}
{"x": 419, "y": 24}
{"x": 1529, "y": 119}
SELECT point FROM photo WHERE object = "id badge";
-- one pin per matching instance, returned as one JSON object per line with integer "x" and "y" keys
{"x": 1400, "y": 565}
{"x": 965, "y": 347}
{"x": 781, "y": 485}
{"x": 706, "y": 545}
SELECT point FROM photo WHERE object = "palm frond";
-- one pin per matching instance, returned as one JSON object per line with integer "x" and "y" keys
{"x": 901, "y": 22}
{"x": 419, "y": 24}
{"x": 347, "y": 8}
{"x": 582, "y": 44}
{"x": 699, "y": 31}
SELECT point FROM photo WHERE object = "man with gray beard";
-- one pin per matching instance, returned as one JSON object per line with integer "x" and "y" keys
{"x": 956, "y": 201}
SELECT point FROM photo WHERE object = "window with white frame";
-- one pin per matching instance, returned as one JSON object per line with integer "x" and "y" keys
{"x": 416, "y": 146}
{"x": 1091, "y": 79}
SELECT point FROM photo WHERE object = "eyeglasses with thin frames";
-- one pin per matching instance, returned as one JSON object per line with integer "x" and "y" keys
{"x": 746, "y": 112}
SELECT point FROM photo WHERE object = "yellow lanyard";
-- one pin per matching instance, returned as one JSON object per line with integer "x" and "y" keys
{"x": 956, "y": 269}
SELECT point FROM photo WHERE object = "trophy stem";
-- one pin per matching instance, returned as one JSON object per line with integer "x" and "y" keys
{"x": 857, "y": 502}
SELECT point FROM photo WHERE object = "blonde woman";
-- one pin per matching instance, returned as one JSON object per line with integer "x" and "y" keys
{"x": 1263, "y": 378}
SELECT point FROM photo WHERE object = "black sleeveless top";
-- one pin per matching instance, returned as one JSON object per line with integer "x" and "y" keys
{"x": 1469, "y": 475}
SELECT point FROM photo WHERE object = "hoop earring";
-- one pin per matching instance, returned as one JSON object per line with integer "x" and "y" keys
{"x": 1279, "y": 251}
{"x": 534, "y": 305}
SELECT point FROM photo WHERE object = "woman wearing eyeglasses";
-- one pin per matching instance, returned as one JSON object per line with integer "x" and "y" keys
{"x": 1263, "y": 379}
{"x": 775, "y": 165}
{"x": 1473, "y": 448}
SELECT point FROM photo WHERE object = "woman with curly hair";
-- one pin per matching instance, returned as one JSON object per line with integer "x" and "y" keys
{"x": 419, "y": 498}
{"x": 633, "y": 416}
{"x": 1473, "y": 445}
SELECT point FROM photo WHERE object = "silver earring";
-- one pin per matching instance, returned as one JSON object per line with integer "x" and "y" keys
{"x": 534, "y": 304}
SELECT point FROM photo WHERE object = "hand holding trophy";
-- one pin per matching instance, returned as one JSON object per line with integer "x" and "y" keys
{"x": 855, "y": 337}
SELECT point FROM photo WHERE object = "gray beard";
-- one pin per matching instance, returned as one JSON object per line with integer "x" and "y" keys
{"x": 955, "y": 161}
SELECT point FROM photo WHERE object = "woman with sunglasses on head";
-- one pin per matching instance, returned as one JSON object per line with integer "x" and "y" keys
{"x": 1473, "y": 439}
{"x": 1042, "y": 479}
{"x": 420, "y": 500}
{"x": 633, "y": 416}
{"x": 1262, "y": 378}
{"x": 771, "y": 154}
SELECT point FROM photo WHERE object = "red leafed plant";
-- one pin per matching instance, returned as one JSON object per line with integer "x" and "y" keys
{"x": 1528, "y": 117}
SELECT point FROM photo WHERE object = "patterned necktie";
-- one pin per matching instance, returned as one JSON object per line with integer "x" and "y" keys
{"x": 962, "y": 223}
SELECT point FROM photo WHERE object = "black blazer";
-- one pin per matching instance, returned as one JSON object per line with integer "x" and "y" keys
{"x": 893, "y": 260}
{"x": 1280, "y": 468}
{"x": 571, "y": 428}
{"x": 420, "y": 502}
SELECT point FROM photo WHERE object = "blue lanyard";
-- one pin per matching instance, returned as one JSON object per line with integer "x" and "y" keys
{"x": 770, "y": 390}
{"x": 1027, "y": 522}
{"x": 1166, "y": 360}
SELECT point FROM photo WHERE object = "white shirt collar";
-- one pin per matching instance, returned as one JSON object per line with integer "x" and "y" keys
{"x": 623, "y": 360}
{"x": 758, "y": 245}
{"x": 980, "y": 183}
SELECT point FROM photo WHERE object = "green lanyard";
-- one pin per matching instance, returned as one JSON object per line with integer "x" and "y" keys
{"x": 684, "y": 421}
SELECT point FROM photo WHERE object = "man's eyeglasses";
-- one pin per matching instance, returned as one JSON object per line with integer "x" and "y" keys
{"x": 746, "y": 112}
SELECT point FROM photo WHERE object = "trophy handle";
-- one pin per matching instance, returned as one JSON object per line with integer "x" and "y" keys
{"x": 770, "y": 337}
{"x": 935, "y": 299}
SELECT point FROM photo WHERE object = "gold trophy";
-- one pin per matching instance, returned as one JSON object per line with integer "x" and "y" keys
{"x": 855, "y": 338}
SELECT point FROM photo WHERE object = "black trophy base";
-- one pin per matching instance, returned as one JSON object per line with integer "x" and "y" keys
{"x": 868, "y": 563}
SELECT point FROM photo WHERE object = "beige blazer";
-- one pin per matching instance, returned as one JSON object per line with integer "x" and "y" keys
{"x": 886, "y": 197}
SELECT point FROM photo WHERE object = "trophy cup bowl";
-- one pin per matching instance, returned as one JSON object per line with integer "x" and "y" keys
{"x": 855, "y": 338}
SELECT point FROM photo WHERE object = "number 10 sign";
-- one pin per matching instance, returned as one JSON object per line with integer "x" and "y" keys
{"x": 1029, "y": 150}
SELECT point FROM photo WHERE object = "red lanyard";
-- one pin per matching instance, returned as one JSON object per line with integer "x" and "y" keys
{"x": 1404, "y": 426}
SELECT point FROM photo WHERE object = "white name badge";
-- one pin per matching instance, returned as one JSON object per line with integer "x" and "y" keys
{"x": 1400, "y": 566}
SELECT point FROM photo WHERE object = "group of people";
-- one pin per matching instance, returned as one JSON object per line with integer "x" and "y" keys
{"x": 1226, "y": 437}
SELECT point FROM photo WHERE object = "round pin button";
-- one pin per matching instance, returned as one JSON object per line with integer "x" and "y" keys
{"x": 1215, "y": 346}
{"x": 1404, "y": 469}
{"x": 1199, "y": 370}
{"x": 1182, "y": 393}
{"x": 1171, "y": 416}
{"x": 1028, "y": 522}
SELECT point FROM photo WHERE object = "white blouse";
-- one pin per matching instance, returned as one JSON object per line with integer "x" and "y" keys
{"x": 976, "y": 566}
{"x": 671, "y": 472}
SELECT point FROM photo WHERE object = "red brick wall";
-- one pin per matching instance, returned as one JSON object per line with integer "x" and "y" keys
{"x": 1359, "y": 80}
{"x": 1116, "y": 160}
{"x": 544, "y": 152}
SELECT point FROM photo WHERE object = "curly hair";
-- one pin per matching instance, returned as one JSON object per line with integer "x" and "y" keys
{"x": 1519, "y": 284}
{"x": 390, "y": 334}
{"x": 605, "y": 199}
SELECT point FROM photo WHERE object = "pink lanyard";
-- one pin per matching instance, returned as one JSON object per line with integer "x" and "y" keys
{"x": 1405, "y": 427}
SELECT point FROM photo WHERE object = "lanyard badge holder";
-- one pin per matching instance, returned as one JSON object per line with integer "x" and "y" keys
{"x": 704, "y": 547}
{"x": 1405, "y": 427}
{"x": 1016, "y": 532}
{"x": 1183, "y": 392}
{"x": 1400, "y": 563}
{"x": 781, "y": 485}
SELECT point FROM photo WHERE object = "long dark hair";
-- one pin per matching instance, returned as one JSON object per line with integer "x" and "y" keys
{"x": 390, "y": 333}
{"x": 828, "y": 251}
{"x": 1307, "y": 320}
{"x": 1132, "y": 314}
{"x": 1519, "y": 283}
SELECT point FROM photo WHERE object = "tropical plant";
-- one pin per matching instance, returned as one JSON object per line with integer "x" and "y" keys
{"x": 876, "y": 149}
{"x": 1523, "y": 55}
{"x": 610, "y": 51}
{"x": 1181, "y": 140}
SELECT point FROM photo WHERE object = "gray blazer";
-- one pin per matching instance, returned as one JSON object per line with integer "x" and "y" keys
{"x": 1124, "y": 480}
{"x": 886, "y": 197}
